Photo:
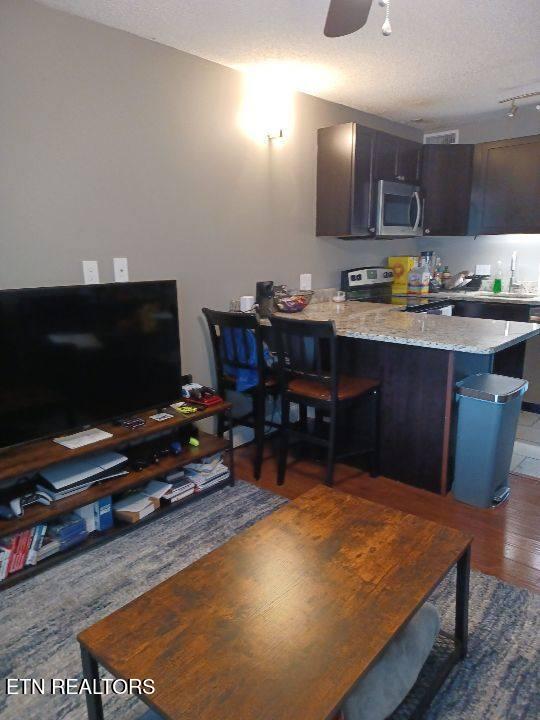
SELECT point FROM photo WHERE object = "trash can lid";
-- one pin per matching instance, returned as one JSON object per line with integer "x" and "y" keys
{"x": 494, "y": 388}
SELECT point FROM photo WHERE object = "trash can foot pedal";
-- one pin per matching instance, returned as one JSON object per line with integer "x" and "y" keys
{"x": 501, "y": 496}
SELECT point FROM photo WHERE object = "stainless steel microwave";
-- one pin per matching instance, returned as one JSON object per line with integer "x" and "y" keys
{"x": 399, "y": 210}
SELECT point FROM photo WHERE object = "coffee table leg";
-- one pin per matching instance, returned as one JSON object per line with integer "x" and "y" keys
{"x": 91, "y": 673}
{"x": 462, "y": 601}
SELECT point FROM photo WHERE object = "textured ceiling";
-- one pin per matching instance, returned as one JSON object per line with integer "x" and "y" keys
{"x": 447, "y": 60}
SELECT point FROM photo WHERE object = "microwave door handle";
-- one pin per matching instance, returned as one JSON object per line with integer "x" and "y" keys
{"x": 416, "y": 195}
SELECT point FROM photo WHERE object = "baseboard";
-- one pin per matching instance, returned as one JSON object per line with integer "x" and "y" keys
{"x": 531, "y": 407}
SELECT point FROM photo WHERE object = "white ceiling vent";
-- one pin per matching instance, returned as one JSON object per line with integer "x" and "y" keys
{"x": 448, "y": 137}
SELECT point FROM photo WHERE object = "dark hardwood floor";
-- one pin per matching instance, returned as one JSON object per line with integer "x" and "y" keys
{"x": 506, "y": 539}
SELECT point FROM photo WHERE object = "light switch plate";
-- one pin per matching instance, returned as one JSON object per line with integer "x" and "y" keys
{"x": 305, "y": 281}
{"x": 483, "y": 270}
{"x": 120, "y": 266}
{"x": 90, "y": 272}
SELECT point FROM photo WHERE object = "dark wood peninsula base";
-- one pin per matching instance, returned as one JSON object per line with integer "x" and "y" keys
{"x": 417, "y": 402}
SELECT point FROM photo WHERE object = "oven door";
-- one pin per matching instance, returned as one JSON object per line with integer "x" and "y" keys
{"x": 399, "y": 210}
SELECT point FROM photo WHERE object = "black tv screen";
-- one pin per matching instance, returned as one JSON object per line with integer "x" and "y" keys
{"x": 72, "y": 357}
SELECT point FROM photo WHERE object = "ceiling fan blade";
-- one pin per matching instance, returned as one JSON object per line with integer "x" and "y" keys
{"x": 346, "y": 16}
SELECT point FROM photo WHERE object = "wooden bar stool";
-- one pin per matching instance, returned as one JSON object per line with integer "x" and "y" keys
{"x": 238, "y": 348}
{"x": 307, "y": 354}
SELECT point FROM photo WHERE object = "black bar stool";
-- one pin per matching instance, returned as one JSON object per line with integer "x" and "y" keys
{"x": 238, "y": 347}
{"x": 307, "y": 354}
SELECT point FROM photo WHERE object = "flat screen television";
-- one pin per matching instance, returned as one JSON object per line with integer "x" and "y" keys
{"x": 72, "y": 357}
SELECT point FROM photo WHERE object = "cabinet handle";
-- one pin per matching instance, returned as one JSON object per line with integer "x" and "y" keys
{"x": 400, "y": 177}
{"x": 372, "y": 229}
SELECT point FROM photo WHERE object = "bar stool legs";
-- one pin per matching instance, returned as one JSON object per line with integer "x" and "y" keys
{"x": 332, "y": 428}
{"x": 259, "y": 412}
{"x": 283, "y": 440}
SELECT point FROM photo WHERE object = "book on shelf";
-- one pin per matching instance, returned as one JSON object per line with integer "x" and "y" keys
{"x": 97, "y": 515}
{"x": 4, "y": 562}
{"x": 103, "y": 513}
{"x": 68, "y": 528}
{"x": 38, "y": 535}
{"x": 134, "y": 507}
{"x": 50, "y": 547}
{"x": 156, "y": 489}
{"x": 204, "y": 475}
{"x": 87, "y": 513}
{"x": 16, "y": 547}
{"x": 179, "y": 490}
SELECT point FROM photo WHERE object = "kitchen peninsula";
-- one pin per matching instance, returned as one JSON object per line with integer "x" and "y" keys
{"x": 419, "y": 358}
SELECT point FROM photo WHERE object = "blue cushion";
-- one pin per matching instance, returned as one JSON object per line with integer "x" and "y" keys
{"x": 379, "y": 692}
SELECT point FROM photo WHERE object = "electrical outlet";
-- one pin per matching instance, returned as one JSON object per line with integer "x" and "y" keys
{"x": 90, "y": 272}
{"x": 305, "y": 281}
{"x": 120, "y": 266}
{"x": 483, "y": 270}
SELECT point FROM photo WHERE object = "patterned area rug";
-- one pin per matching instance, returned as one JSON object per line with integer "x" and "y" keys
{"x": 41, "y": 617}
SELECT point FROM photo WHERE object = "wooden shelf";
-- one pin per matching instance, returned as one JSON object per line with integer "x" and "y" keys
{"x": 100, "y": 538}
{"x": 28, "y": 459}
{"x": 31, "y": 457}
{"x": 208, "y": 445}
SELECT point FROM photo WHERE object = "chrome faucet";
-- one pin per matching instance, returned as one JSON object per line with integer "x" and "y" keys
{"x": 513, "y": 284}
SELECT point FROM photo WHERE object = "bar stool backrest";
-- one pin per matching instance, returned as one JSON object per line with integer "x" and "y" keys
{"x": 307, "y": 350}
{"x": 231, "y": 345}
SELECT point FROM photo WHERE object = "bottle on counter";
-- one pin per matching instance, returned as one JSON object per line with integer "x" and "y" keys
{"x": 418, "y": 279}
{"x": 497, "y": 282}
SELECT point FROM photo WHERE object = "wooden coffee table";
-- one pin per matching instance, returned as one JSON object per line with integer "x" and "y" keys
{"x": 282, "y": 620}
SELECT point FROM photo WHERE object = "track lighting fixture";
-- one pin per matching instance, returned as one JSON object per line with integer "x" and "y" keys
{"x": 513, "y": 107}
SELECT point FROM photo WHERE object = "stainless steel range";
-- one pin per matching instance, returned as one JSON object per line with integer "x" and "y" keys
{"x": 374, "y": 284}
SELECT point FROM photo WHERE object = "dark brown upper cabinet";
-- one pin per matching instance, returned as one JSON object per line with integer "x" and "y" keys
{"x": 345, "y": 189}
{"x": 397, "y": 159}
{"x": 506, "y": 187}
{"x": 446, "y": 187}
{"x": 351, "y": 159}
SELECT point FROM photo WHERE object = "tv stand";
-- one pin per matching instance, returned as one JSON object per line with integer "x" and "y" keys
{"x": 27, "y": 460}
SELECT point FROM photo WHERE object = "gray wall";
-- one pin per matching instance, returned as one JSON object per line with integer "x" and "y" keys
{"x": 111, "y": 145}
{"x": 463, "y": 253}
{"x": 497, "y": 125}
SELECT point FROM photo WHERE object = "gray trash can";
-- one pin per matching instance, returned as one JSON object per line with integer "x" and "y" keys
{"x": 488, "y": 409}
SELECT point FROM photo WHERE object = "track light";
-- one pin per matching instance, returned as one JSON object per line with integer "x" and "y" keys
{"x": 513, "y": 110}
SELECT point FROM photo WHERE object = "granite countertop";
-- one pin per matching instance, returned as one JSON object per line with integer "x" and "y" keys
{"x": 385, "y": 323}
{"x": 483, "y": 296}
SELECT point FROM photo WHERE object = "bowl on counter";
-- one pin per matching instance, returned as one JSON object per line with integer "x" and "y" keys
{"x": 291, "y": 301}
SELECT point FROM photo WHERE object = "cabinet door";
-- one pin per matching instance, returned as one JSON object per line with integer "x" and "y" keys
{"x": 492, "y": 311}
{"x": 344, "y": 181}
{"x": 396, "y": 159}
{"x": 334, "y": 179}
{"x": 385, "y": 161}
{"x": 446, "y": 185}
{"x": 408, "y": 161}
{"x": 506, "y": 187}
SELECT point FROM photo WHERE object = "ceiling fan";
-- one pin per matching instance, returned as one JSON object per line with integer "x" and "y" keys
{"x": 347, "y": 16}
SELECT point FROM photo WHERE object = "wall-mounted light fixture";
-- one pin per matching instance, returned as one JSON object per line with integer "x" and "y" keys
{"x": 267, "y": 110}
{"x": 267, "y": 113}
